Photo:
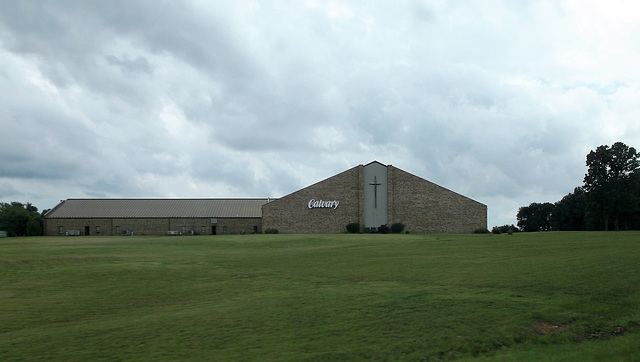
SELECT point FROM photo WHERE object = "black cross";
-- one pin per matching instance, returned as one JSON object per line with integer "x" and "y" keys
{"x": 375, "y": 185}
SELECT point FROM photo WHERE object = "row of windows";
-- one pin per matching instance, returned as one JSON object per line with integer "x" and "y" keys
{"x": 61, "y": 229}
{"x": 203, "y": 229}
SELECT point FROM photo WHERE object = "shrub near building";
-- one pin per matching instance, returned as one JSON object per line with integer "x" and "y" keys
{"x": 397, "y": 227}
{"x": 353, "y": 228}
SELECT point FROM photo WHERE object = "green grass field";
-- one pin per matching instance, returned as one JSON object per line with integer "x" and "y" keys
{"x": 533, "y": 296}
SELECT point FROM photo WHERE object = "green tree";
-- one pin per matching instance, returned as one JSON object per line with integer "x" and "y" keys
{"x": 18, "y": 219}
{"x": 610, "y": 184}
{"x": 569, "y": 213}
{"x": 535, "y": 217}
{"x": 630, "y": 198}
{"x": 507, "y": 229}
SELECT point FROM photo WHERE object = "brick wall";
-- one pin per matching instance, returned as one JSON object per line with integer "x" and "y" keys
{"x": 422, "y": 205}
{"x": 291, "y": 213}
{"x": 153, "y": 226}
{"x": 428, "y": 208}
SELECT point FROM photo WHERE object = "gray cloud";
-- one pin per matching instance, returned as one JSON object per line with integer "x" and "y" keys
{"x": 500, "y": 102}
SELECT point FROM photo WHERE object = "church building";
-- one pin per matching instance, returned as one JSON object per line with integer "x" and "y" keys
{"x": 372, "y": 195}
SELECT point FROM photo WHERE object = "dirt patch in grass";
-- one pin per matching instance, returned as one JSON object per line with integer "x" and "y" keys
{"x": 544, "y": 328}
{"x": 615, "y": 331}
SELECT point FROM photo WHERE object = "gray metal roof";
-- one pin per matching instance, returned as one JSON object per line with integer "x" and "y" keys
{"x": 156, "y": 208}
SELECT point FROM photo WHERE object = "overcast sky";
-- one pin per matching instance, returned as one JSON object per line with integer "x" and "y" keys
{"x": 497, "y": 100}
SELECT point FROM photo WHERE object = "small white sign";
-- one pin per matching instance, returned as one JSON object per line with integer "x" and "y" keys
{"x": 320, "y": 204}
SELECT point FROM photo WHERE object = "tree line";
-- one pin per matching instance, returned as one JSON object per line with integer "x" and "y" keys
{"x": 609, "y": 198}
{"x": 18, "y": 219}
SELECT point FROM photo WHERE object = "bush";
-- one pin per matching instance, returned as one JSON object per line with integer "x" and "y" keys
{"x": 496, "y": 230}
{"x": 353, "y": 228}
{"x": 481, "y": 231}
{"x": 383, "y": 229}
{"x": 509, "y": 229}
{"x": 397, "y": 227}
{"x": 271, "y": 231}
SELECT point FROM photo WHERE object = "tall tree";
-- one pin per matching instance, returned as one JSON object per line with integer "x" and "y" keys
{"x": 610, "y": 182}
{"x": 630, "y": 215}
{"x": 569, "y": 213}
{"x": 535, "y": 217}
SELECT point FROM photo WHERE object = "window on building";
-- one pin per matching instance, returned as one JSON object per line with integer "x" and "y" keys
{"x": 202, "y": 229}
{"x": 97, "y": 229}
{"x": 117, "y": 230}
{"x": 224, "y": 229}
{"x": 184, "y": 228}
{"x": 61, "y": 229}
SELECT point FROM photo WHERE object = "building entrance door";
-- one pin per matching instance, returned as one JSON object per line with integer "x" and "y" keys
{"x": 213, "y": 230}
{"x": 87, "y": 230}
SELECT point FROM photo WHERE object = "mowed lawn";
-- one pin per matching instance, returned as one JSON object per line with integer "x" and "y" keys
{"x": 552, "y": 296}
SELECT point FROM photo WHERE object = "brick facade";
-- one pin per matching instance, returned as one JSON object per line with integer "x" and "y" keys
{"x": 425, "y": 207}
{"x": 291, "y": 214}
{"x": 352, "y": 196}
{"x": 153, "y": 226}
{"x": 422, "y": 206}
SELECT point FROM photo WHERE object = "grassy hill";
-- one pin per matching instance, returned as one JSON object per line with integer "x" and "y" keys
{"x": 552, "y": 296}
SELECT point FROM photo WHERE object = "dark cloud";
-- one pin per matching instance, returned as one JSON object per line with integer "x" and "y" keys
{"x": 8, "y": 192}
{"x": 130, "y": 66}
